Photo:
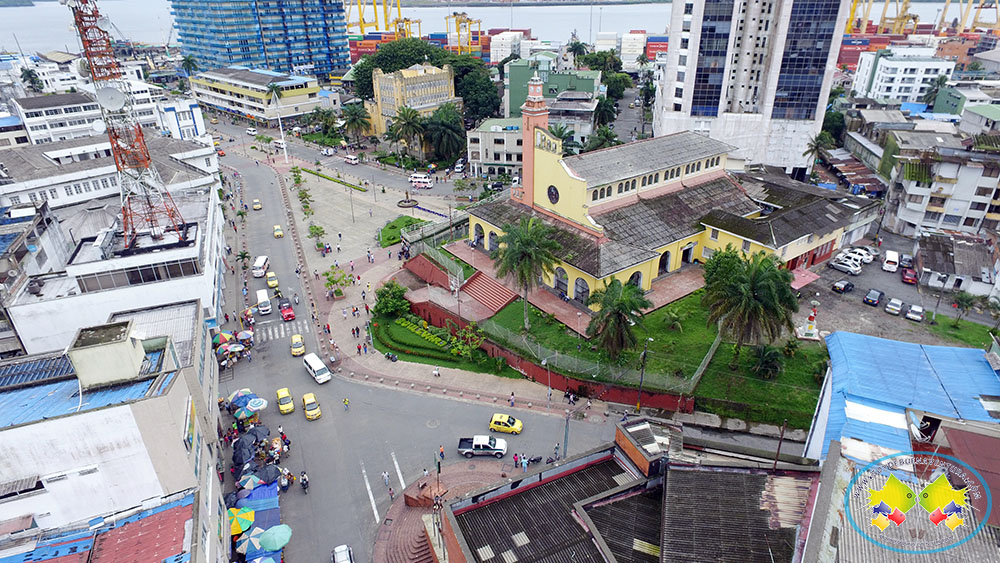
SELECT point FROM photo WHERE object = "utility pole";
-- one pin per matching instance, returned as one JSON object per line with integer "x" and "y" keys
{"x": 781, "y": 438}
{"x": 642, "y": 374}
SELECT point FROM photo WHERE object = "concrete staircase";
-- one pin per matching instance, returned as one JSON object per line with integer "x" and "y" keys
{"x": 488, "y": 291}
{"x": 416, "y": 550}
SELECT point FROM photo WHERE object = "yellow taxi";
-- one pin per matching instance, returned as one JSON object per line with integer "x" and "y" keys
{"x": 256, "y": 205}
{"x": 272, "y": 280}
{"x": 505, "y": 423}
{"x": 311, "y": 406}
{"x": 285, "y": 402}
{"x": 214, "y": 121}
{"x": 298, "y": 347}
{"x": 278, "y": 233}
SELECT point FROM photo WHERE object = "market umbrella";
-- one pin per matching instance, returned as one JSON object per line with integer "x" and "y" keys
{"x": 250, "y": 481}
{"x": 243, "y": 413}
{"x": 239, "y": 393}
{"x": 222, "y": 338}
{"x": 245, "y": 335}
{"x": 258, "y": 433}
{"x": 243, "y": 453}
{"x": 242, "y": 400}
{"x": 257, "y": 404}
{"x": 251, "y": 538}
{"x": 268, "y": 474}
{"x": 239, "y": 520}
{"x": 267, "y": 559}
{"x": 275, "y": 537}
{"x": 242, "y": 502}
{"x": 230, "y": 499}
{"x": 234, "y": 348}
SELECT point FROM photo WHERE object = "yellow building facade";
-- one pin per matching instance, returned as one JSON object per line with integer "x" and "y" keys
{"x": 244, "y": 92}
{"x": 422, "y": 87}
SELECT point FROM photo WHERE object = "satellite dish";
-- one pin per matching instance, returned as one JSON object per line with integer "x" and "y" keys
{"x": 104, "y": 24}
{"x": 110, "y": 98}
{"x": 99, "y": 126}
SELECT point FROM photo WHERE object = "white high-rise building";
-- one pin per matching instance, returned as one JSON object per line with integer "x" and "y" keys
{"x": 899, "y": 74}
{"x": 633, "y": 47}
{"x": 753, "y": 74}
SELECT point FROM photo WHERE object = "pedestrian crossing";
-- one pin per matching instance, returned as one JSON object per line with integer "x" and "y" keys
{"x": 277, "y": 329}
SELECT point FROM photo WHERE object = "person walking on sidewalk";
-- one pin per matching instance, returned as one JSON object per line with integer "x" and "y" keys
{"x": 441, "y": 451}
{"x": 512, "y": 398}
{"x": 392, "y": 495}
{"x": 385, "y": 477}
{"x": 367, "y": 310}
{"x": 347, "y": 403}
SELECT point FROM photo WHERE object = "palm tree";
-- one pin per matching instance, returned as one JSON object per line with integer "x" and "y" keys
{"x": 931, "y": 94}
{"x": 30, "y": 77}
{"x": 577, "y": 49}
{"x": 816, "y": 144}
{"x": 525, "y": 252}
{"x": 356, "y": 120}
{"x": 647, "y": 93}
{"x": 768, "y": 361}
{"x": 243, "y": 257}
{"x": 444, "y": 132}
{"x": 605, "y": 111}
{"x": 565, "y": 134}
{"x": 963, "y": 302}
{"x": 189, "y": 65}
{"x": 602, "y": 138}
{"x": 275, "y": 93}
{"x": 992, "y": 307}
{"x": 621, "y": 309}
{"x": 753, "y": 301}
{"x": 409, "y": 125}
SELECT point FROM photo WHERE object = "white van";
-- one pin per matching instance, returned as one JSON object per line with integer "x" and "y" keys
{"x": 263, "y": 302}
{"x": 316, "y": 368}
{"x": 260, "y": 265}
{"x": 351, "y": 159}
{"x": 419, "y": 177}
{"x": 890, "y": 262}
{"x": 278, "y": 144}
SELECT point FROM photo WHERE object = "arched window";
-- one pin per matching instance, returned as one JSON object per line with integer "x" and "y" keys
{"x": 595, "y": 196}
{"x": 633, "y": 184}
{"x": 619, "y": 187}
{"x": 602, "y": 193}
{"x": 656, "y": 178}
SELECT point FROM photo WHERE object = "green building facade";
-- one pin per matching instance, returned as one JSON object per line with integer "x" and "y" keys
{"x": 555, "y": 81}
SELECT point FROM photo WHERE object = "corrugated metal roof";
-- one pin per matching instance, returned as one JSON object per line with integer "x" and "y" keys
{"x": 38, "y": 402}
{"x": 23, "y": 371}
{"x": 983, "y": 454}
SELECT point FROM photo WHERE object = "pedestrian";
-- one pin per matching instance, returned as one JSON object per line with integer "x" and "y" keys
{"x": 365, "y": 346}
{"x": 441, "y": 451}
{"x": 369, "y": 211}
{"x": 524, "y": 464}
{"x": 512, "y": 398}
{"x": 338, "y": 247}
{"x": 249, "y": 358}
{"x": 367, "y": 310}
{"x": 359, "y": 349}
{"x": 336, "y": 264}
{"x": 340, "y": 236}
{"x": 515, "y": 460}
{"x": 385, "y": 477}
{"x": 426, "y": 474}
{"x": 437, "y": 371}
{"x": 369, "y": 286}
{"x": 357, "y": 329}
{"x": 316, "y": 274}
{"x": 352, "y": 265}
{"x": 327, "y": 328}
{"x": 347, "y": 404}
{"x": 227, "y": 317}
{"x": 344, "y": 310}
{"x": 363, "y": 295}
{"x": 392, "y": 495}
{"x": 555, "y": 451}
{"x": 390, "y": 254}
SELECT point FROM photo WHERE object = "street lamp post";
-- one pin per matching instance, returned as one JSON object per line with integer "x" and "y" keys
{"x": 941, "y": 278}
{"x": 642, "y": 374}
{"x": 548, "y": 383}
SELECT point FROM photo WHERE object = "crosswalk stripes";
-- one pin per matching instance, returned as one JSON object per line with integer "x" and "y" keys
{"x": 280, "y": 330}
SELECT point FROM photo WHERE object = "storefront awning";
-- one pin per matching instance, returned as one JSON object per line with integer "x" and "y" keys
{"x": 803, "y": 278}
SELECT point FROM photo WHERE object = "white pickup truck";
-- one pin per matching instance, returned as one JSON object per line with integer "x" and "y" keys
{"x": 482, "y": 445}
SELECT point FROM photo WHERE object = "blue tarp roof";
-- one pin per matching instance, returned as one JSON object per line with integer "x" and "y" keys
{"x": 9, "y": 121}
{"x": 913, "y": 107}
{"x": 892, "y": 376}
{"x": 38, "y": 402}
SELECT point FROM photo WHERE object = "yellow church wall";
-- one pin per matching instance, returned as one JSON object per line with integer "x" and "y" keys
{"x": 549, "y": 172}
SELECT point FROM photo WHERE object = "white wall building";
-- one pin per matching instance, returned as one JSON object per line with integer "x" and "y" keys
{"x": 980, "y": 119}
{"x": 905, "y": 77}
{"x": 606, "y": 41}
{"x": 755, "y": 75}
{"x": 494, "y": 148}
{"x": 503, "y": 45}
{"x": 633, "y": 47}
{"x": 181, "y": 118}
{"x": 57, "y": 118}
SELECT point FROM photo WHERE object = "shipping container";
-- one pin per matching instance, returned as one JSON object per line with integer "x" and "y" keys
{"x": 657, "y": 38}
{"x": 642, "y": 31}
{"x": 855, "y": 42}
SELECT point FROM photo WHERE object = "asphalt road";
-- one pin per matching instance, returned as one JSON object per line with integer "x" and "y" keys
{"x": 345, "y": 453}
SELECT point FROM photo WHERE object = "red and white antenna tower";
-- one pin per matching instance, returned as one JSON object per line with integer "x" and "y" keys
{"x": 146, "y": 205}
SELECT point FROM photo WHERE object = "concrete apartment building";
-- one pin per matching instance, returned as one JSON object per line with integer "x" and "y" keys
{"x": 304, "y": 37}
{"x": 570, "y": 94}
{"x": 119, "y": 428}
{"x": 904, "y": 74}
{"x": 12, "y": 132}
{"x": 755, "y": 75}
{"x": 495, "y": 147}
{"x": 633, "y": 49}
{"x": 59, "y": 117}
{"x": 422, "y": 87}
{"x": 242, "y": 92}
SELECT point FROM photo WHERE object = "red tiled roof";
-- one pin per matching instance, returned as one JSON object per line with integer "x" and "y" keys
{"x": 153, "y": 538}
{"x": 983, "y": 454}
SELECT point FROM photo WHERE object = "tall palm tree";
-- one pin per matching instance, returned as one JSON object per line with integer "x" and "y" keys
{"x": 931, "y": 94}
{"x": 243, "y": 257}
{"x": 605, "y": 112}
{"x": 565, "y": 134}
{"x": 274, "y": 91}
{"x": 816, "y": 144}
{"x": 30, "y": 78}
{"x": 602, "y": 138}
{"x": 577, "y": 49}
{"x": 189, "y": 65}
{"x": 621, "y": 310}
{"x": 526, "y": 251}
{"x": 647, "y": 93}
{"x": 356, "y": 120}
{"x": 753, "y": 302}
{"x": 409, "y": 125}
{"x": 444, "y": 132}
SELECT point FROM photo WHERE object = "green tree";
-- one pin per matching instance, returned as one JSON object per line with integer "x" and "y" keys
{"x": 621, "y": 310}
{"x": 833, "y": 124}
{"x": 565, "y": 134}
{"x": 605, "y": 111}
{"x": 526, "y": 251}
{"x": 721, "y": 267}
{"x": 189, "y": 65}
{"x": 992, "y": 307}
{"x": 940, "y": 82}
{"x": 263, "y": 139}
{"x": 390, "y": 300}
{"x": 444, "y": 132}
{"x": 963, "y": 302}
{"x": 502, "y": 65}
{"x": 647, "y": 93}
{"x": 467, "y": 340}
{"x": 617, "y": 83}
{"x": 673, "y": 320}
{"x": 338, "y": 280}
{"x": 317, "y": 232}
{"x": 605, "y": 61}
{"x": 409, "y": 125}
{"x": 577, "y": 49}
{"x": 243, "y": 257}
{"x": 31, "y": 79}
{"x": 754, "y": 301}
{"x": 604, "y": 137}
{"x": 768, "y": 361}
{"x": 356, "y": 120}
{"x": 817, "y": 143}
{"x": 479, "y": 94}
{"x": 974, "y": 66}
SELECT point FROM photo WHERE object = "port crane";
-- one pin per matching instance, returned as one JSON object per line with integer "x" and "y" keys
{"x": 965, "y": 10}
{"x": 463, "y": 29}
{"x": 147, "y": 207}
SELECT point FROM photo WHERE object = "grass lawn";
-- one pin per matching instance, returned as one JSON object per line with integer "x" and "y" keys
{"x": 467, "y": 270}
{"x": 390, "y": 232}
{"x": 968, "y": 333}
{"x": 320, "y": 139}
{"x": 792, "y": 395}
{"x": 402, "y": 339}
{"x": 671, "y": 353}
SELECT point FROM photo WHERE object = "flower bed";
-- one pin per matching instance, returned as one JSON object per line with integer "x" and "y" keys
{"x": 422, "y": 332}
{"x": 337, "y": 180}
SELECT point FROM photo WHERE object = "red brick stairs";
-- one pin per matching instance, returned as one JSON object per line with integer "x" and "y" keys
{"x": 488, "y": 291}
{"x": 417, "y": 550}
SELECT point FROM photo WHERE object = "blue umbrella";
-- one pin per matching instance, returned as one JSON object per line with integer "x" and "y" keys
{"x": 242, "y": 400}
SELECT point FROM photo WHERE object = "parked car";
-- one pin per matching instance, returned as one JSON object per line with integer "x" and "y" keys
{"x": 285, "y": 307}
{"x": 848, "y": 257}
{"x": 894, "y": 306}
{"x": 863, "y": 250}
{"x": 311, "y": 406}
{"x": 285, "y": 402}
{"x": 482, "y": 445}
{"x": 916, "y": 313}
{"x": 874, "y": 297}
{"x": 842, "y": 286}
{"x": 846, "y": 267}
{"x": 905, "y": 261}
{"x": 909, "y": 276}
{"x": 861, "y": 254}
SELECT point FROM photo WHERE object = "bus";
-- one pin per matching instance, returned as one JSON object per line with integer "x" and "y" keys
{"x": 263, "y": 302}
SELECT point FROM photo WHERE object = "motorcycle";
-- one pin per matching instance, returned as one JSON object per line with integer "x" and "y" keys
{"x": 533, "y": 460}
{"x": 391, "y": 357}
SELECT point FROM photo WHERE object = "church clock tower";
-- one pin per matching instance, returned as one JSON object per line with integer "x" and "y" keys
{"x": 534, "y": 114}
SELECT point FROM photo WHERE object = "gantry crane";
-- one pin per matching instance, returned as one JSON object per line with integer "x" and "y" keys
{"x": 147, "y": 207}
{"x": 897, "y": 23}
{"x": 463, "y": 23}
{"x": 404, "y": 28}
{"x": 857, "y": 22}
{"x": 965, "y": 10}
{"x": 362, "y": 25}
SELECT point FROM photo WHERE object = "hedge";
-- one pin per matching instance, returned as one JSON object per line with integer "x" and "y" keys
{"x": 339, "y": 181}
{"x": 422, "y": 332}
{"x": 384, "y": 338}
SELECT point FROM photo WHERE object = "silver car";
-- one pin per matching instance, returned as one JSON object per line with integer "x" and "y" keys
{"x": 916, "y": 313}
{"x": 845, "y": 266}
{"x": 894, "y": 306}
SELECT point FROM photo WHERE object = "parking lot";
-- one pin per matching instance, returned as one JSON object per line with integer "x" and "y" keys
{"x": 848, "y": 312}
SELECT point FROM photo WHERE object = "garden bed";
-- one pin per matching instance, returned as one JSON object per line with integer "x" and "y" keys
{"x": 337, "y": 180}
{"x": 390, "y": 233}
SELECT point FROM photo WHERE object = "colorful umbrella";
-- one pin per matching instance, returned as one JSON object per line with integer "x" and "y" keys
{"x": 240, "y": 393}
{"x": 245, "y": 335}
{"x": 236, "y": 348}
{"x": 267, "y": 559}
{"x": 275, "y": 537}
{"x": 239, "y": 520}
{"x": 250, "y": 481}
{"x": 257, "y": 405}
{"x": 242, "y": 400}
{"x": 243, "y": 413}
{"x": 251, "y": 538}
{"x": 222, "y": 338}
